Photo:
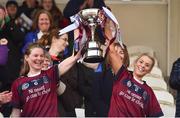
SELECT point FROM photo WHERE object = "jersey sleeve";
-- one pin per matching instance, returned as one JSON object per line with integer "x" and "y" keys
{"x": 15, "y": 95}
{"x": 53, "y": 72}
{"x": 154, "y": 109}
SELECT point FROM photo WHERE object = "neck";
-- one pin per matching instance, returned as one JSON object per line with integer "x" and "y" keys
{"x": 137, "y": 77}
{"x": 43, "y": 32}
{"x": 54, "y": 51}
{"x": 33, "y": 72}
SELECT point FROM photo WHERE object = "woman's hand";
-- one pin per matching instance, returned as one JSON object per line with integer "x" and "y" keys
{"x": 5, "y": 97}
{"x": 78, "y": 55}
{"x": 3, "y": 41}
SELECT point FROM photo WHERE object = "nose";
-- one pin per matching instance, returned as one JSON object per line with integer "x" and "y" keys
{"x": 67, "y": 43}
{"x": 40, "y": 58}
{"x": 143, "y": 65}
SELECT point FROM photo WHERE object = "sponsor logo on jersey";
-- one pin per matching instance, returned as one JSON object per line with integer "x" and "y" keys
{"x": 25, "y": 86}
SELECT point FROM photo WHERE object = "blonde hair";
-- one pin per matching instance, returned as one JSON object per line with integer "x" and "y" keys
{"x": 149, "y": 56}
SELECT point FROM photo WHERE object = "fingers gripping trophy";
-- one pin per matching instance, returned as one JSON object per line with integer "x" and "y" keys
{"x": 86, "y": 22}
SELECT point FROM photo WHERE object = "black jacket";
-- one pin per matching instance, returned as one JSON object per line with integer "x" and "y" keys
{"x": 71, "y": 98}
{"x": 174, "y": 82}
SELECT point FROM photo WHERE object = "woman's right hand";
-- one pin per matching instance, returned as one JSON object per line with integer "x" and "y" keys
{"x": 5, "y": 97}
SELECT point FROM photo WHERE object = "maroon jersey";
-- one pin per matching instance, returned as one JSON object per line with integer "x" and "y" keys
{"x": 131, "y": 98}
{"x": 37, "y": 96}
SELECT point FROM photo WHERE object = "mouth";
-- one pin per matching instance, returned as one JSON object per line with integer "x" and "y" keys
{"x": 140, "y": 69}
{"x": 38, "y": 63}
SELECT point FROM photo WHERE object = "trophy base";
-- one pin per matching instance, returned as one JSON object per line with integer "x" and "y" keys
{"x": 93, "y": 59}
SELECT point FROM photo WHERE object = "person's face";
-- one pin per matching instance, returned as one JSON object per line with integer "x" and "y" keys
{"x": 43, "y": 22}
{"x": 2, "y": 14}
{"x": 142, "y": 66}
{"x": 46, "y": 63}
{"x": 35, "y": 59}
{"x": 12, "y": 10}
{"x": 62, "y": 42}
{"x": 47, "y": 4}
{"x": 31, "y": 3}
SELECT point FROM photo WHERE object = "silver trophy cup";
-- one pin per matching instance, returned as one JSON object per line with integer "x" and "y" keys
{"x": 93, "y": 52}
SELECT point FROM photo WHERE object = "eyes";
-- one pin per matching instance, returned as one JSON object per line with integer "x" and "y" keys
{"x": 146, "y": 63}
{"x": 37, "y": 55}
{"x": 65, "y": 39}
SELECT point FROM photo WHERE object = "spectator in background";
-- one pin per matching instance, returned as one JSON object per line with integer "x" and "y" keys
{"x": 12, "y": 7}
{"x": 5, "y": 95}
{"x": 26, "y": 13}
{"x": 10, "y": 70}
{"x": 13, "y": 64}
{"x": 174, "y": 82}
{"x": 42, "y": 24}
{"x": 58, "y": 18}
{"x": 14, "y": 31}
{"x": 47, "y": 61}
{"x": 28, "y": 7}
{"x": 4, "y": 19}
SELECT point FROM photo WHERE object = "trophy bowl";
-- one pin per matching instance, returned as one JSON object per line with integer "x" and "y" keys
{"x": 93, "y": 53}
{"x": 89, "y": 17}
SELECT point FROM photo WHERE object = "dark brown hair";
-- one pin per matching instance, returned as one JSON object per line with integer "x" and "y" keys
{"x": 55, "y": 12}
{"x": 2, "y": 7}
{"x": 126, "y": 56}
{"x": 46, "y": 39}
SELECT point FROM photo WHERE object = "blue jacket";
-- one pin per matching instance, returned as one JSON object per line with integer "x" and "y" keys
{"x": 31, "y": 37}
{"x": 174, "y": 82}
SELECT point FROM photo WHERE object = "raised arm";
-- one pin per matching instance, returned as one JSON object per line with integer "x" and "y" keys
{"x": 65, "y": 65}
{"x": 114, "y": 57}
